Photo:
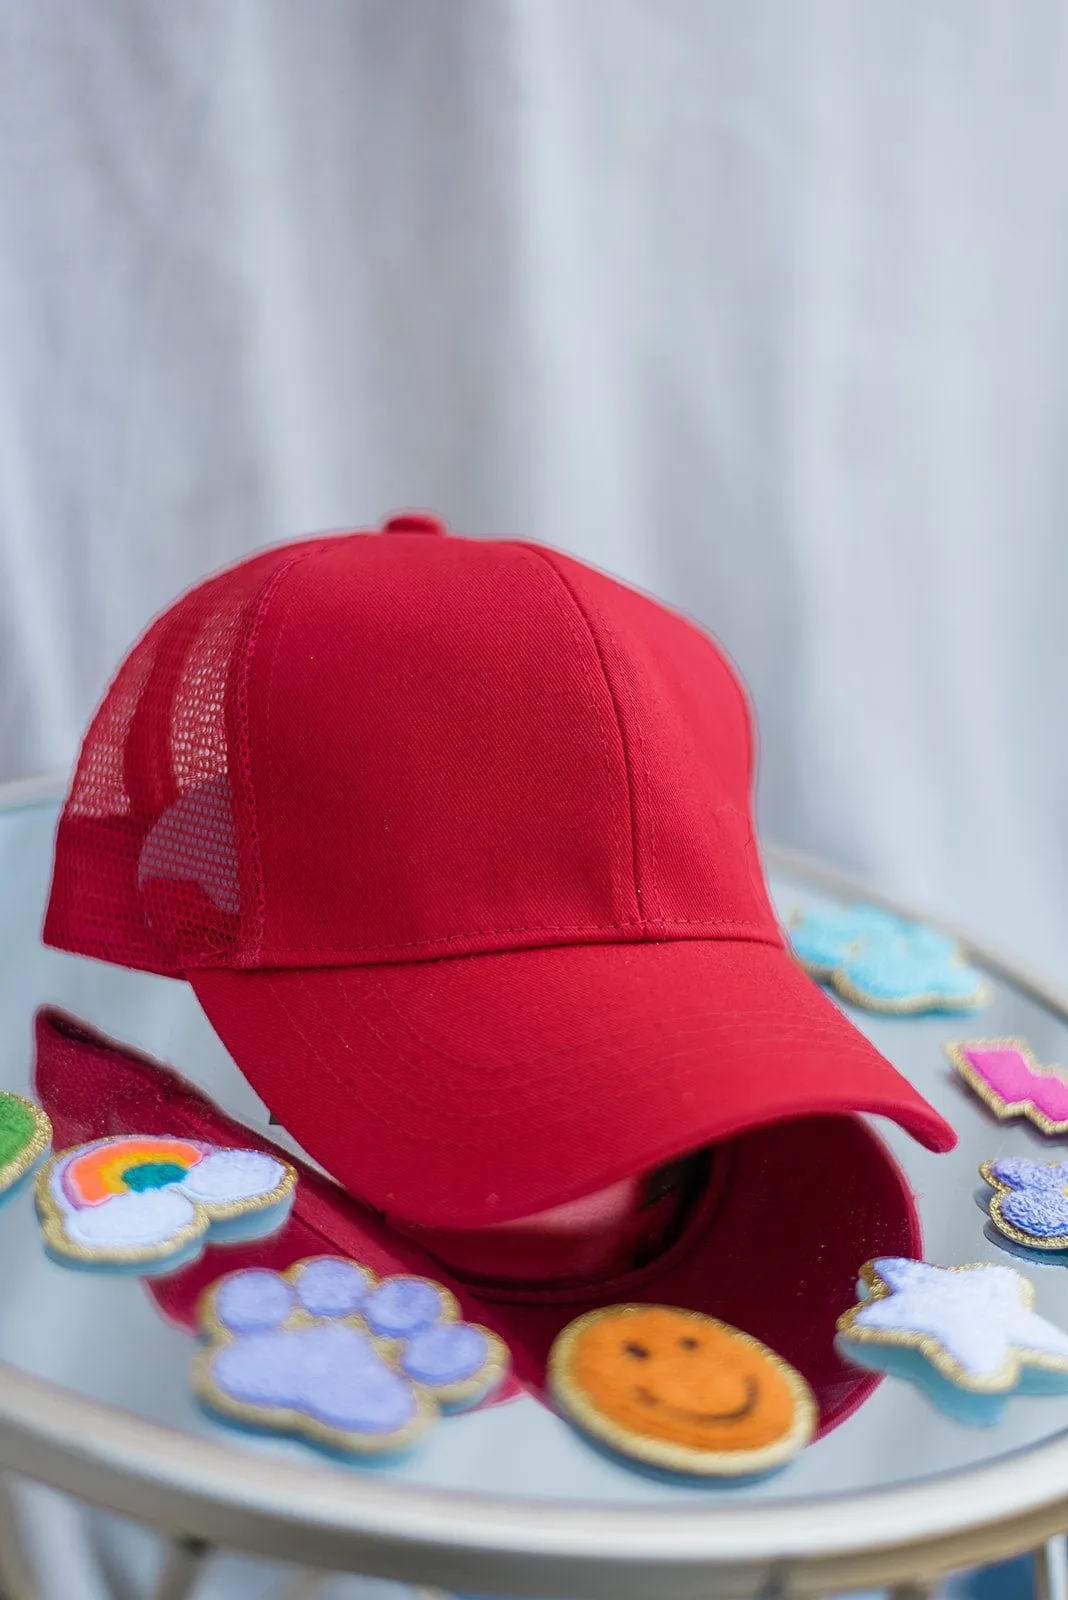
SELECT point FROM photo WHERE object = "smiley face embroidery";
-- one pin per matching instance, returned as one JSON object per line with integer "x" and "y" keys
{"x": 680, "y": 1391}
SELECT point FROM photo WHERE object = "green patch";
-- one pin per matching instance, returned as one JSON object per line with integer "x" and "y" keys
{"x": 17, "y": 1127}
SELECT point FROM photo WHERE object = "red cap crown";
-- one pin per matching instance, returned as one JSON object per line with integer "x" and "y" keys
{"x": 367, "y": 749}
{"x": 327, "y": 773}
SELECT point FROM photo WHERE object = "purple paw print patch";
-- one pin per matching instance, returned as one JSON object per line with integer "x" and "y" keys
{"x": 328, "y": 1351}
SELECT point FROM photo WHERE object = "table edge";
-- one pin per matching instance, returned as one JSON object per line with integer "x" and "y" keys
{"x": 207, "y": 1489}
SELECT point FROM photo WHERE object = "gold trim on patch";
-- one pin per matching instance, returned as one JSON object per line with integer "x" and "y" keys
{"x": 51, "y": 1216}
{"x": 1033, "y": 1241}
{"x": 578, "y": 1408}
{"x": 838, "y": 979}
{"x": 431, "y": 1400}
{"x": 1003, "y": 1109}
{"x": 1008, "y": 1375}
{"x": 33, "y": 1150}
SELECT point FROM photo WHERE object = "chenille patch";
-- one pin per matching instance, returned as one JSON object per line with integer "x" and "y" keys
{"x": 884, "y": 963}
{"x": 1030, "y": 1201}
{"x": 332, "y": 1354}
{"x": 1010, "y": 1082}
{"x": 676, "y": 1390}
{"x": 968, "y": 1336}
{"x": 147, "y": 1203}
{"x": 25, "y": 1134}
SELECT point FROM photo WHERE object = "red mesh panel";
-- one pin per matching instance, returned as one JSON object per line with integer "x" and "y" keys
{"x": 156, "y": 863}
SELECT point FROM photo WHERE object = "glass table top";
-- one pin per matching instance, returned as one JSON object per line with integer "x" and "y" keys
{"x": 104, "y": 1337}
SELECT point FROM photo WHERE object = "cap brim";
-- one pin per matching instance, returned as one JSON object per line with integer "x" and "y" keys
{"x": 774, "y": 1246}
{"x": 791, "y": 1214}
{"x": 483, "y": 1088}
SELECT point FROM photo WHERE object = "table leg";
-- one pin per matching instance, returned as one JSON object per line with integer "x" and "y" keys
{"x": 304, "y": 1584}
{"x": 15, "y": 1580}
{"x": 182, "y": 1566}
{"x": 1051, "y": 1570}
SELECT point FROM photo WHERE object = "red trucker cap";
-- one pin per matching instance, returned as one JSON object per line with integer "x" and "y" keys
{"x": 452, "y": 839}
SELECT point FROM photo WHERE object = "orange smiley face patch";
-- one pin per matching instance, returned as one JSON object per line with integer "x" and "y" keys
{"x": 681, "y": 1391}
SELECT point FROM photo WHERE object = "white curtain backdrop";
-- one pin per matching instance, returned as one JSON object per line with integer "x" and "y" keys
{"x": 762, "y": 307}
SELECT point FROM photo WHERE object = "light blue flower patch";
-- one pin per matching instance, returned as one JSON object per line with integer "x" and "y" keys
{"x": 328, "y": 1352}
{"x": 880, "y": 961}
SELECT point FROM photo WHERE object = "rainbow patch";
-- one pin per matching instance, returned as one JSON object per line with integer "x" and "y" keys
{"x": 146, "y": 1204}
{"x": 118, "y": 1166}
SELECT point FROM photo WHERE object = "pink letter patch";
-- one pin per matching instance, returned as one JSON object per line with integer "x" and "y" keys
{"x": 1008, "y": 1079}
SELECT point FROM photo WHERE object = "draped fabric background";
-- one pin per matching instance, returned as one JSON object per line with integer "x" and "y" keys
{"x": 761, "y": 307}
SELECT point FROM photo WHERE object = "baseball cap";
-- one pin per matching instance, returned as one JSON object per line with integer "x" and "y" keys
{"x": 452, "y": 840}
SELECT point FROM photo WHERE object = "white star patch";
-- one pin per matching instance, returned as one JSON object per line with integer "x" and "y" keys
{"x": 974, "y": 1324}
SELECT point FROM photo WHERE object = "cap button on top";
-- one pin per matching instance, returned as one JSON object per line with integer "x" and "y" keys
{"x": 415, "y": 522}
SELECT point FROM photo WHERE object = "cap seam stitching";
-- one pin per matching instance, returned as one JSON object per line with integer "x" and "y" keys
{"x": 648, "y": 900}
{"x": 546, "y": 560}
{"x": 757, "y": 937}
{"x": 648, "y": 879}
